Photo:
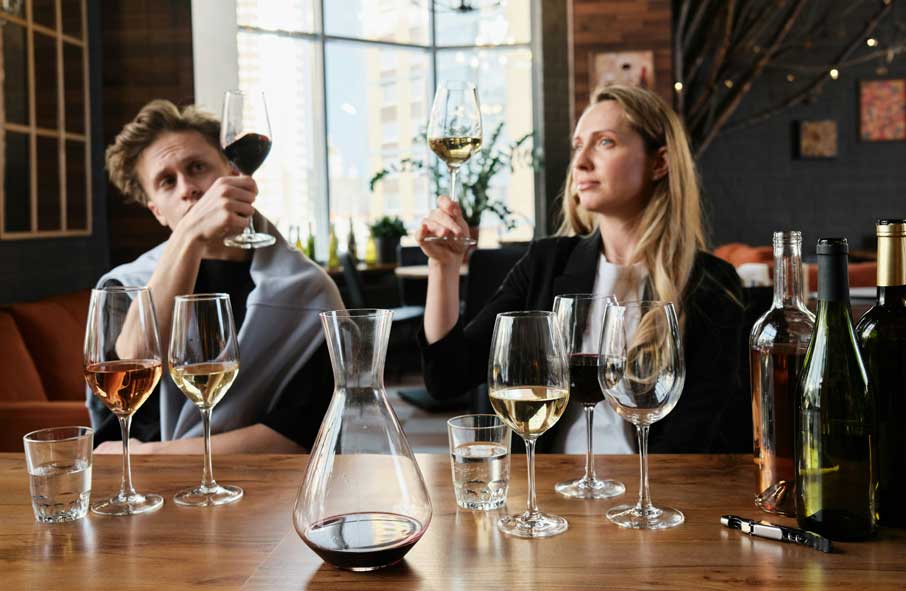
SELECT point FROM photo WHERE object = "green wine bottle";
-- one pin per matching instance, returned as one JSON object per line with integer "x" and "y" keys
{"x": 882, "y": 336}
{"x": 836, "y": 459}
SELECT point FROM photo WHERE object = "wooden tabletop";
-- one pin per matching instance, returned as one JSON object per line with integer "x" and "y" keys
{"x": 252, "y": 544}
{"x": 421, "y": 271}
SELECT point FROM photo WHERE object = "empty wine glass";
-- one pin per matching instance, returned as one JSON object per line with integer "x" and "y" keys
{"x": 642, "y": 372}
{"x": 245, "y": 134}
{"x": 579, "y": 317}
{"x": 122, "y": 367}
{"x": 528, "y": 384}
{"x": 204, "y": 362}
{"x": 454, "y": 132}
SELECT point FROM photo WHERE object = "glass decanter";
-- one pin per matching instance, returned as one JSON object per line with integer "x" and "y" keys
{"x": 778, "y": 344}
{"x": 363, "y": 503}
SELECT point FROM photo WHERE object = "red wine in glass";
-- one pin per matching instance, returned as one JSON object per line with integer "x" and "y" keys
{"x": 583, "y": 379}
{"x": 248, "y": 152}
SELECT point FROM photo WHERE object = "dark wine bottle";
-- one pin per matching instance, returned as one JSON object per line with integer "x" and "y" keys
{"x": 836, "y": 446}
{"x": 882, "y": 336}
{"x": 777, "y": 348}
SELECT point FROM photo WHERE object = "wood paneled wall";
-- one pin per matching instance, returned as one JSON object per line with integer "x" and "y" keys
{"x": 147, "y": 54}
{"x": 621, "y": 25}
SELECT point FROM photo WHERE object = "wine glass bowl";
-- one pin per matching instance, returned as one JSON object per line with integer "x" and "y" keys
{"x": 122, "y": 366}
{"x": 204, "y": 362}
{"x": 579, "y": 317}
{"x": 642, "y": 372}
{"x": 454, "y": 132}
{"x": 245, "y": 135}
{"x": 528, "y": 384}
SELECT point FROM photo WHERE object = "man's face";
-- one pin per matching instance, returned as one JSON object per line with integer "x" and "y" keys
{"x": 176, "y": 170}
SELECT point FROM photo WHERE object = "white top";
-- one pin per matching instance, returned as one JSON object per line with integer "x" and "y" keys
{"x": 612, "y": 434}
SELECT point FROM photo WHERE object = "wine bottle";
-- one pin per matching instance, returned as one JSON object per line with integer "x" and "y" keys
{"x": 882, "y": 336}
{"x": 836, "y": 459}
{"x": 777, "y": 348}
{"x": 351, "y": 247}
{"x": 310, "y": 243}
{"x": 333, "y": 258}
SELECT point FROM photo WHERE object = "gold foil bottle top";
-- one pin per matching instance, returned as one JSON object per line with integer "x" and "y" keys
{"x": 891, "y": 252}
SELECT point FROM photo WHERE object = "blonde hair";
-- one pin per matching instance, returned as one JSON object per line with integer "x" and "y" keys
{"x": 156, "y": 118}
{"x": 670, "y": 228}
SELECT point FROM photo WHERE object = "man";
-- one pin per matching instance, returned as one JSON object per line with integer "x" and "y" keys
{"x": 170, "y": 161}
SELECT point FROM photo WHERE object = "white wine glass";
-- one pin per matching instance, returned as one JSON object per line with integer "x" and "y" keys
{"x": 579, "y": 317}
{"x": 204, "y": 362}
{"x": 642, "y": 373}
{"x": 245, "y": 135}
{"x": 122, "y": 365}
{"x": 528, "y": 384}
{"x": 454, "y": 132}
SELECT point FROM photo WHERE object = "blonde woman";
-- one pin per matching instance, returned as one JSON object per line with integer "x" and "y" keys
{"x": 631, "y": 227}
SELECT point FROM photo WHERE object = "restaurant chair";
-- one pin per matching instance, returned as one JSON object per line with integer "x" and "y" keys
{"x": 412, "y": 291}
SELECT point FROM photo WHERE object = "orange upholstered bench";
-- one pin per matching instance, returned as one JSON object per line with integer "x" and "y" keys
{"x": 41, "y": 359}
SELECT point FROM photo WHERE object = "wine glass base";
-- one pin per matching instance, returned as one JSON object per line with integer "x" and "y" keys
{"x": 466, "y": 240}
{"x": 203, "y": 496}
{"x": 532, "y": 525}
{"x": 250, "y": 240}
{"x": 587, "y": 488}
{"x": 128, "y": 504}
{"x": 634, "y": 517}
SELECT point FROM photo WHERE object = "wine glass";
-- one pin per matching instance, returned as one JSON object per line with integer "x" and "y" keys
{"x": 204, "y": 362}
{"x": 122, "y": 366}
{"x": 642, "y": 372}
{"x": 528, "y": 383}
{"x": 579, "y": 317}
{"x": 245, "y": 134}
{"x": 454, "y": 132}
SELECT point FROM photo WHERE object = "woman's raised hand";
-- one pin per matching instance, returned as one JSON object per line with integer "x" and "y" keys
{"x": 446, "y": 221}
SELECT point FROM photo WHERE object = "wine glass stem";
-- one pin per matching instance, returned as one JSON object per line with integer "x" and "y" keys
{"x": 126, "y": 489}
{"x": 644, "y": 503}
{"x": 590, "y": 453}
{"x": 453, "y": 175}
{"x": 531, "y": 502}
{"x": 207, "y": 477}
{"x": 250, "y": 229}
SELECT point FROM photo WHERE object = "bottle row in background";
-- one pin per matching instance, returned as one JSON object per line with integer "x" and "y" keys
{"x": 827, "y": 398}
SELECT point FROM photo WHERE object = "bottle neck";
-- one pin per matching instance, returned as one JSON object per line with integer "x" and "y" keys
{"x": 891, "y": 278}
{"x": 788, "y": 280}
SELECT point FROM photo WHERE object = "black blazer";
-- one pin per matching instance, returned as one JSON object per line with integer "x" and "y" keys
{"x": 714, "y": 412}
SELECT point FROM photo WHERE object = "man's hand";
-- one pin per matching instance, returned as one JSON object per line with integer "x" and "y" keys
{"x": 116, "y": 447}
{"x": 222, "y": 211}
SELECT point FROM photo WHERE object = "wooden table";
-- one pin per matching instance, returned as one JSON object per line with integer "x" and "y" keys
{"x": 421, "y": 271}
{"x": 252, "y": 544}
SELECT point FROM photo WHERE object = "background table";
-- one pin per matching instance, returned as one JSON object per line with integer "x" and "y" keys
{"x": 252, "y": 544}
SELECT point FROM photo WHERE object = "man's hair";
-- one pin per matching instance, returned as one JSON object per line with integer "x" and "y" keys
{"x": 155, "y": 119}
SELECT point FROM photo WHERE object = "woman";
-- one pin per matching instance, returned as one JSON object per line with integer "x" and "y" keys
{"x": 632, "y": 227}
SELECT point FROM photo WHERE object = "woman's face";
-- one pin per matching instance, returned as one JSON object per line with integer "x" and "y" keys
{"x": 612, "y": 171}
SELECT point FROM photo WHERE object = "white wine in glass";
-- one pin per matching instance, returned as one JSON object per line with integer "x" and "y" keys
{"x": 528, "y": 383}
{"x": 122, "y": 366}
{"x": 204, "y": 362}
{"x": 454, "y": 133}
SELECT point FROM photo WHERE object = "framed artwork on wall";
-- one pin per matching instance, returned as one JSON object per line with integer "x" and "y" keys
{"x": 818, "y": 139}
{"x": 635, "y": 68}
{"x": 882, "y": 110}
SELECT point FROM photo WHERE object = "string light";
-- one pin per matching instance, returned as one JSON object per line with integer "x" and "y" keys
{"x": 728, "y": 83}
{"x": 678, "y": 86}
{"x": 834, "y": 73}
{"x": 790, "y": 77}
{"x": 871, "y": 42}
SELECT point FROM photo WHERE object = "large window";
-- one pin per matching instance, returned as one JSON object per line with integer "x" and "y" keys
{"x": 349, "y": 85}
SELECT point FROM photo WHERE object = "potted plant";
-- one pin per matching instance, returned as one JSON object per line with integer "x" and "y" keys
{"x": 475, "y": 175}
{"x": 387, "y": 232}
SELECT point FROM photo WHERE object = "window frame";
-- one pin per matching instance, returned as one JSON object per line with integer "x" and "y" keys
{"x": 60, "y": 133}
{"x": 214, "y": 23}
